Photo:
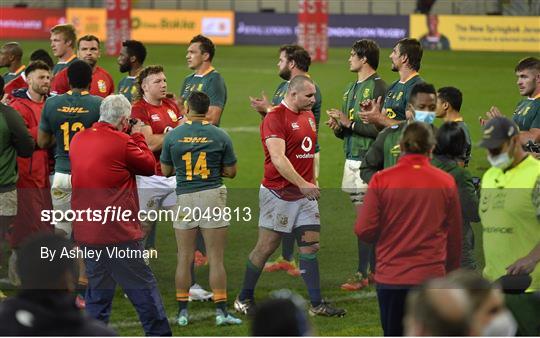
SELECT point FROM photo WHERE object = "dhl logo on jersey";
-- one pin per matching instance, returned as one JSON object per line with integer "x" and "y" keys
{"x": 189, "y": 139}
{"x": 76, "y": 110}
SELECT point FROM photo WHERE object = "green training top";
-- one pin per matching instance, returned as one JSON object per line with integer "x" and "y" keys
{"x": 127, "y": 87}
{"x": 211, "y": 83}
{"x": 279, "y": 95}
{"x": 356, "y": 145}
{"x": 384, "y": 152}
{"x": 510, "y": 210}
{"x": 398, "y": 95}
{"x": 63, "y": 64}
{"x": 64, "y": 116}
{"x": 527, "y": 114}
{"x": 198, "y": 151}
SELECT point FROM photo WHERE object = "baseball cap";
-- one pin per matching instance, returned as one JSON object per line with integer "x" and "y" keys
{"x": 497, "y": 131}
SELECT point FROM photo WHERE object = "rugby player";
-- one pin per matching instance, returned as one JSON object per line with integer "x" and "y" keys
{"x": 204, "y": 78}
{"x": 357, "y": 138}
{"x": 63, "y": 38}
{"x": 11, "y": 57}
{"x": 288, "y": 194}
{"x": 130, "y": 60}
{"x": 88, "y": 51}
{"x": 293, "y": 60}
{"x": 200, "y": 154}
{"x": 406, "y": 57}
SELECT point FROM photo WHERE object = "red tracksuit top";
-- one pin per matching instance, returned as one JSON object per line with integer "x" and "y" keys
{"x": 104, "y": 162}
{"x": 412, "y": 213}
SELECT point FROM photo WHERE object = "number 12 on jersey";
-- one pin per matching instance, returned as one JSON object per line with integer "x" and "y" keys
{"x": 75, "y": 127}
{"x": 200, "y": 166}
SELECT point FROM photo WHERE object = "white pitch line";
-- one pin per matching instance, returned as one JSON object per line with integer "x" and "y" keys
{"x": 204, "y": 315}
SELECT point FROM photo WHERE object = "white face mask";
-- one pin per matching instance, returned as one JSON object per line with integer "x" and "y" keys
{"x": 424, "y": 116}
{"x": 501, "y": 325}
{"x": 501, "y": 161}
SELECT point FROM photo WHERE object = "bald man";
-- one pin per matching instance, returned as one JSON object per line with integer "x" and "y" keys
{"x": 288, "y": 195}
{"x": 11, "y": 57}
{"x": 438, "y": 308}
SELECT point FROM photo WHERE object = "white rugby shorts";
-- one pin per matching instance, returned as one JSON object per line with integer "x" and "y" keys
{"x": 352, "y": 184}
{"x": 285, "y": 216}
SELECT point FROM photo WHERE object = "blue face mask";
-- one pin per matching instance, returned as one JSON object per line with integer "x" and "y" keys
{"x": 424, "y": 116}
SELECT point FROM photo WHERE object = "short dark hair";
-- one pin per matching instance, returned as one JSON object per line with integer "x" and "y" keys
{"x": 135, "y": 48}
{"x": 88, "y": 38}
{"x": 37, "y": 273}
{"x": 79, "y": 75}
{"x": 422, "y": 87}
{"x": 452, "y": 95}
{"x": 368, "y": 49}
{"x": 1, "y": 86}
{"x": 451, "y": 140}
{"x": 417, "y": 138}
{"x": 198, "y": 102}
{"x": 14, "y": 49}
{"x": 68, "y": 31}
{"x": 413, "y": 49}
{"x": 42, "y": 55}
{"x": 298, "y": 54}
{"x": 149, "y": 70}
{"x": 206, "y": 45}
{"x": 528, "y": 63}
{"x": 35, "y": 65}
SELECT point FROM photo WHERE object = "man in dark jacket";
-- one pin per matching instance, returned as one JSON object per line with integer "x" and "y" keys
{"x": 451, "y": 141}
{"x": 46, "y": 304}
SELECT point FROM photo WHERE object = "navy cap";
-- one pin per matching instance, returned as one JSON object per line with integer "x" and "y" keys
{"x": 497, "y": 131}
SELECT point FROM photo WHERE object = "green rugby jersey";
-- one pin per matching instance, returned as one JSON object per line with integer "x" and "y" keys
{"x": 211, "y": 83}
{"x": 510, "y": 210}
{"x": 354, "y": 144}
{"x": 527, "y": 113}
{"x": 398, "y": 95}
{"x": 64, "y": 116}
{"x": 198, "y": 151}
{"x": 63, "y": 64}
{"x": 279, "y": 95}
{"x": 12, "y": 75}
{"x": 127, "y": 87}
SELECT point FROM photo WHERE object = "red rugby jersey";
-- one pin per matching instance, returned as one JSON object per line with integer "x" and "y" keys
{"x": 158, "y": 118}
{"x": 102, "y": 83}
{"x": 298, "y": 130}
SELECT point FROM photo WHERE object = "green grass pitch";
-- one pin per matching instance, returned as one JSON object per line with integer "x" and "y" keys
{"x": 486, "y": 79}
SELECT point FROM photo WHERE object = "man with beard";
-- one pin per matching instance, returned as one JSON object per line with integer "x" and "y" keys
{"x": 130, "y": 60}
{"x": 88, "y": 51}
{"x": 33, "y": 184}
{"x": 205, "y": 78}
{"x": 406, "y": 57}
{"x": 293, "y": 60}
{"x": 527, "y": 113}
{"x": 63, "y": 39}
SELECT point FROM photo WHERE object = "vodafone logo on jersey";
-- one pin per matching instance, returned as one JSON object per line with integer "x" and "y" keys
{"x": 307, "y": 145}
